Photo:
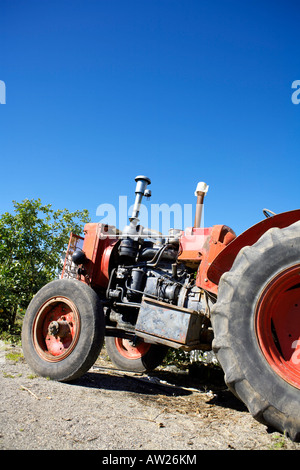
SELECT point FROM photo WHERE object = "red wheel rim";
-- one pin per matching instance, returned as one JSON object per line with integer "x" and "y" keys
{"x": 56, "y": 329}
{"x": 127, "y": 350}
{"x": 278, "y": 324}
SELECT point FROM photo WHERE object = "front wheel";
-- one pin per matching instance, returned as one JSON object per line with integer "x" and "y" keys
{"x": 256, "y": 323}
{"x": 63, "y": 330}
{"x": 134, "y": 357}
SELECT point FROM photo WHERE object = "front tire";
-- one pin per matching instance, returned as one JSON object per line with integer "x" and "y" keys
{"x": 63, "y": 330}
{"x": 256, "y": 323}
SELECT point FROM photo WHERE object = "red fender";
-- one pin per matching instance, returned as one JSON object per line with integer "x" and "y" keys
{"x": 224, "y": 260}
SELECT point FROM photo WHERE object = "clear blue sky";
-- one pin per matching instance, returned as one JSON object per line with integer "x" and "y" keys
{"x": 99, "y": 91}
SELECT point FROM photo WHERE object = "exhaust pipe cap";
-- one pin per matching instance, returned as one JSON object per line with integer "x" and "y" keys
{"x": 201, "y": 188}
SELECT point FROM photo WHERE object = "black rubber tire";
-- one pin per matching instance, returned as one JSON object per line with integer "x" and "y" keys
{"x": 91, "y": 334}
{"x": 149, "y": 361}
{"x": 270, "y": 399}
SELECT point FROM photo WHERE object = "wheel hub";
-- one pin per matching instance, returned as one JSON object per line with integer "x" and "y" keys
{"x": 131, "y": 350}
{"x": 56, "y": 329}
{"x": 60, "y": 328}
{"x": 278, "y": 324}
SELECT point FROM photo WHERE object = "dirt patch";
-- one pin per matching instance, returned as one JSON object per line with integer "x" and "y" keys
{"x": 109, "y": 409}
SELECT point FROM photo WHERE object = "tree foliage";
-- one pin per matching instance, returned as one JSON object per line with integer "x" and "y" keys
{"x": 32, "y": 242}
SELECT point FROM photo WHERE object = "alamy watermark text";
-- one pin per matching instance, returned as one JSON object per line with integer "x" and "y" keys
{"x": 2, "y": 92}
{"x": 296, "y": 94}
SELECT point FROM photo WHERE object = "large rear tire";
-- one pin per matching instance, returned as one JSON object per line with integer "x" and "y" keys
{"x": 139, "y": 357}
{"x": 256, "y": 323}
{"x": 63, "y": 330}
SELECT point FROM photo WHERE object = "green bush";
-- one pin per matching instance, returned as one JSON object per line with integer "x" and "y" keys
{"x": 32, "y": 241}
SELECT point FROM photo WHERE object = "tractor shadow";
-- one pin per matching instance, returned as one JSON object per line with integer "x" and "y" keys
{"x": 166, "y": 382}
{"x": 117, "y": 380}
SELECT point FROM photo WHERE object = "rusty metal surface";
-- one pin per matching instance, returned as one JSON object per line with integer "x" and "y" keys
{"x": 168, "y": 322}
{"x": 220, "y": 237}
{"x": 98, "y": 243}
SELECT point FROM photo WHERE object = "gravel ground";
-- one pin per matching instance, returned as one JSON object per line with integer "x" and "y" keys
{"x": 112, "y": 410}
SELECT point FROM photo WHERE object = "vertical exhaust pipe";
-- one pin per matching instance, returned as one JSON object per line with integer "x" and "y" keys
{"x": 200, "y": 192}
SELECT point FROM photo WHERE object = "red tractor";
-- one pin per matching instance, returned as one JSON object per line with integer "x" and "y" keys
{"x": 198, "y": 289}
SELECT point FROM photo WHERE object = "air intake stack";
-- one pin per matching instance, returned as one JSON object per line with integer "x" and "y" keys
{"x": 141, "y": 190}
{"x": 133, "y": 230}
